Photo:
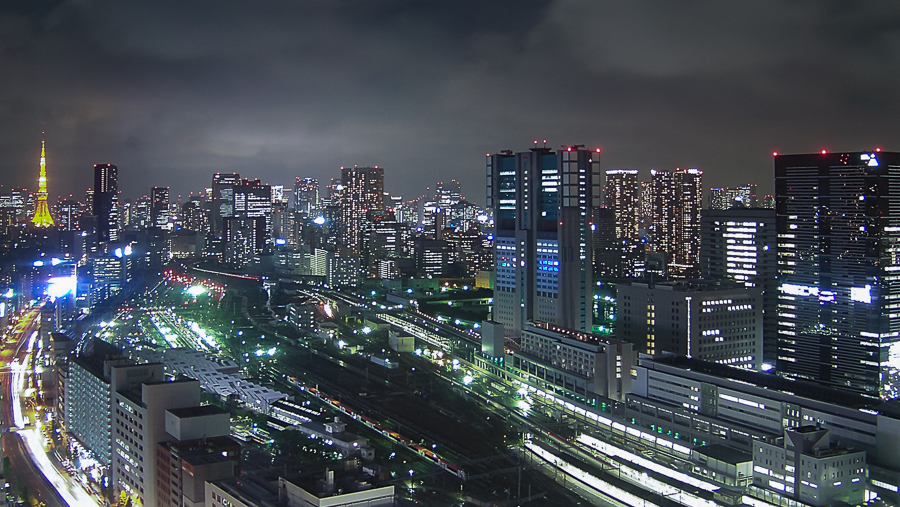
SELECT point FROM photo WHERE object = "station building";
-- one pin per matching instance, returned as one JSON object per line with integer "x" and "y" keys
{"x": 687, "y": 404}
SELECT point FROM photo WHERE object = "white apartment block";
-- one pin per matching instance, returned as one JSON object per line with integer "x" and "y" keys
{"x": 139, "y": 423}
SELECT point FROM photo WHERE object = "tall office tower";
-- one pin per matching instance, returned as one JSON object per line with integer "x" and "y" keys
{"x": 726, "y": 197}
{"x": 838, "y": 224}
{"x": 277, "y": 196}
{"x": 739, "y": 245}
{"x": 543, "y": 203}
{"x": 363, "y": 193}
{"x": 142, "y": 213}
{"x": 623, "y": 197}
{"x": 67, "y": 213}
{"x": 88, "y": 202}
{"x": 199, "y": 449}
{"x": 106, "y": 203}
{"x": 448, "y": 196}
{"x": 159, "y": 207}
{"x": 42, "y": 216}
{"x": 253, "y": 200}
{"x": 677, "y": 198}
{"x": 193, "y": 214}
{"x": 306, "y": 196}
{"x": 223, "y": 199}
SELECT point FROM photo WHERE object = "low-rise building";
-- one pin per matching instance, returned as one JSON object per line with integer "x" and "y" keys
{"x": 302, "y": 316}
{"x": 716, "y": 322}
{"x": 681, "y": 403}
{"x": 580, "y": 366}
{"x": 199, "y": 450}
{"x": 333, "y": 432}
{"x": 331, "y": 490}
{"x": 808, "y": 467}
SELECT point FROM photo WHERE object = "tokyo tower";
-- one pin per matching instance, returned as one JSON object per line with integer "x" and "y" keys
{"x": 42, "y": 216}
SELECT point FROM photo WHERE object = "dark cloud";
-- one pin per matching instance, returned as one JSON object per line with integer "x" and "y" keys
{"x": 173, "y": 91}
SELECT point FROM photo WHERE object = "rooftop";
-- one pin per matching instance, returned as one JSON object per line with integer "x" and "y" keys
{"x": 800, "y": 388}
{"x": 724, "y": 453}
{"x": 202, "y": 410}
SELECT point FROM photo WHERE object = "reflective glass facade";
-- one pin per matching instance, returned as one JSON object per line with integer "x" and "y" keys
{"x": 838, "y": 225}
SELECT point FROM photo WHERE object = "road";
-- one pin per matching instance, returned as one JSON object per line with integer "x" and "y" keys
{"x": 24, "y": 445}
{"x": 14, "y": 355}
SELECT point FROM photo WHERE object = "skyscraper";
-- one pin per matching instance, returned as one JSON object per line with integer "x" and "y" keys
{"x": 159, "y": 207}
{"x": 42, "y": 216}
{"x": 306, "y": 196}
{"x": 543, "y": 204}
{"x": 67, "y": 211}
{"x": 223, "y": 199}
{"x": 106, "y": 203}
{"x": 677, "y": 198}
{"x": 363, "y": 192}
{"x": 623, "y": 197}
{"x": 838, "y": 223}
{"x": 739, "y": 244}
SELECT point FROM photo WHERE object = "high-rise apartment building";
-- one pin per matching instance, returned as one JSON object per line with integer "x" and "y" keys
{"x": 838, "y": 224}
{"x": 106, "y": 203}
{"x": 623, "y": 196}
{"x": 677, "y": 198}
{"x": 543, "y": 204}
{"x": 738, "y": 244}
{"x": 363, "y": 193}
{"x": 306, "y": 196}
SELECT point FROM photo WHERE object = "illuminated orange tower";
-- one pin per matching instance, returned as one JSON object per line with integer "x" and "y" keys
{"x": 42, "y": 216}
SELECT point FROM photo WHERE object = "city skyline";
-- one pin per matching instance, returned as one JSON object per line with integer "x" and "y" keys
{"x": 654, "y": 85}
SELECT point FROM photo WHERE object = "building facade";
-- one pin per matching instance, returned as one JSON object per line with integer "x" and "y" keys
{"x": 677, "y": 197}
{"x": 139, "y": 423}
{"x": 738, "y": 244}
{"x": 543, "y": 204}
{"x": 362, "y": 193}
{"x": 838, "y": 224}
{"x": 581, "y": 366}
{"x": 106, "y": 203}
{"x": 716, "y": 323}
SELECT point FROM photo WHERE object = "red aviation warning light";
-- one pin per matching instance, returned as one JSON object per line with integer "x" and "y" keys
{"x": 824, "y": 152}
{"x": 774, "y": 153}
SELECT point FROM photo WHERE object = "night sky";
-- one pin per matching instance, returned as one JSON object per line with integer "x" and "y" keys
{"x": 173, "y": 90}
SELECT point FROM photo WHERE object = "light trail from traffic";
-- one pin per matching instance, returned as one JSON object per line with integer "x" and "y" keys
{"x": 34, "y": 444}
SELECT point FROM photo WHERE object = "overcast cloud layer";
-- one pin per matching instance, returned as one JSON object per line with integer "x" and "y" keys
{"x": 172, "y": 90}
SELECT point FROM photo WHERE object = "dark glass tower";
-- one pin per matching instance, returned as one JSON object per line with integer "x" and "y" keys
{"x": 838, "y": 225}
{"x": 544, "y": 204}
{"x": 106, "y": 203}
